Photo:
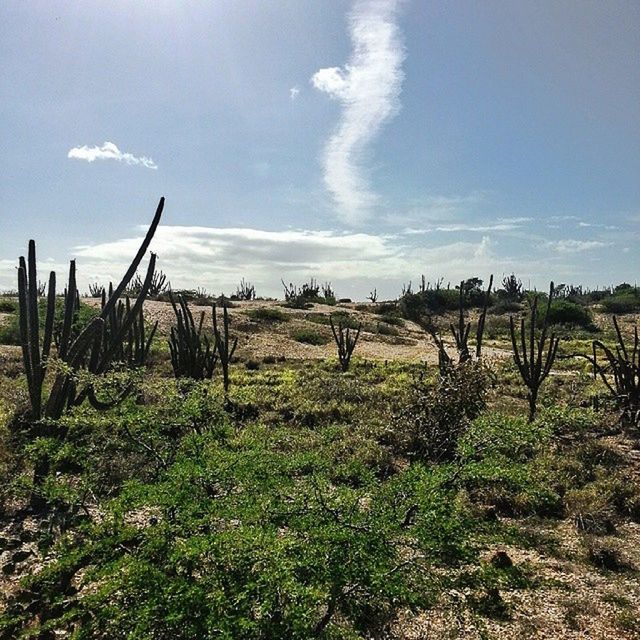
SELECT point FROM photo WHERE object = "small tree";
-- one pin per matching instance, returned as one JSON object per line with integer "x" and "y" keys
{"x": 530, "y": 357}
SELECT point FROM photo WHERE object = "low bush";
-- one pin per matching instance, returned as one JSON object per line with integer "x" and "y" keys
{"x": 268, "y": 314}
{"x": 309, "y": 336}
{"x": 8, "y": 306}
{"x": 569, "y": 314}
{"x": 622, "y": 303}
{"x": 435, "y": 415}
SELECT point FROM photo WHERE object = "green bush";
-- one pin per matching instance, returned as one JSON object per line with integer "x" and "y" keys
{"x": 309, "y": 336}
{"x": 622, "y": 303}
{"x": 10, "y": 331}
{"x": 268, "y": 314}
{"x": 249, "y": 542}
{"x": 8, "y": 306}
{"x": 434, "y": 416}
{"x": 569, "y": 314}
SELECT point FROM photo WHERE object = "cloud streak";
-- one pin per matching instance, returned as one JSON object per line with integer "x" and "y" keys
{"x": 109, "y": 151}
{"x": 368, "y": 88}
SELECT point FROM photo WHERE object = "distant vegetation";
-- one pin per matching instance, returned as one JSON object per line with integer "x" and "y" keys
{"x": 168, "y": 482}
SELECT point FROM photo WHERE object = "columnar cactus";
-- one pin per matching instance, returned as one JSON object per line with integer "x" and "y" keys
{"x": 225, "y": 345}
{"x": 192, "y": 354}
{"x": 93, "y": 349}
{"x": 534, "y": 366}
{"x": 345, "y": 341}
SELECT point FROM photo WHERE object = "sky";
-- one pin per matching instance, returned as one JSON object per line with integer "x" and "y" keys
{"x": 363, "y": 142}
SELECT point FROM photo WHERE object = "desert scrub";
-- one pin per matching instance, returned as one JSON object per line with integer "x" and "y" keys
{"x": 435, "y": 414}
{"x": 267, "y": 315}
{"x": 506, "y": 465}
{"x": 309, "y": 336}
{"x": 254, "y": 543}
{"x": 339, "y": 317}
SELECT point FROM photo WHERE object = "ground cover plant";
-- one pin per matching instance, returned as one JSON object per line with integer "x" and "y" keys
{"x": 279, "y": 496}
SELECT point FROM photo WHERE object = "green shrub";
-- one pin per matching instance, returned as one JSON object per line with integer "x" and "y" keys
{"x": 251, "y": 543}
{"x": 385, "y": 329}
{"x": 309, "y": 336}
{"x": 8, "y": 306}
{"x": 10, "y": 331}
{"x": 570, "y": 314}
{"x": 268, "y": 314}
{"x": 622, "y": 303}
{"x": 435, "y": 416}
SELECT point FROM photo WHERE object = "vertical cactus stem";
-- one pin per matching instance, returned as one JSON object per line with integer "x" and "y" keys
{"x": 69, "y": 311}
{"x": 50, "y": 317}
{"x": 24, "y": 337}
{"x": 115, "y": 294}
{"x": 482, "y": 319}
{"x": 34, "y": 326}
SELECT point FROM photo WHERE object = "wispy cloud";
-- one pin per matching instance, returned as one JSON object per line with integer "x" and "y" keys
{"x": 294, "y": 92}
{"x": 502, "y": 224}
{"x": 368, "y": 87}
{"x": 574, "y": 246}
{"x": 109, "y": 151}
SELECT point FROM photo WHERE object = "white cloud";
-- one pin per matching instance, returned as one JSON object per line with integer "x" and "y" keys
{"x": 109, "y": 151}
{"x": 500, "y": 225}
{"x": 369, "y": 89}
{"x": 294, "y": 92}
{"x": 217, "y": 258}
{"x": 574, "y": 246}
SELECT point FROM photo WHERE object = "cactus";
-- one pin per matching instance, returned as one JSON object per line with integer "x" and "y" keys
{"x": 345, "y": 341}
{"x": 225, "y": 346}
{"x": 134, "y": 349}
{"x": 530, "y": 358}
{"x": 192, "y": 354}
{"x": 327, "y": 291}
{"x": 96, "y": 290}
{"x": 623, "y": 364}
{"x": 245, "y": 291}
{"x": 157, "y": 287}
{"x": 460, "y": 332}
{"x": 512, "y": 288}
{"x": 93, "y": 349}
{"x": 373, "y": 296}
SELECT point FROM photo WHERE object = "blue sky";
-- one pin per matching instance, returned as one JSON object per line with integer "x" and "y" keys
{"x": 360, "y": 142}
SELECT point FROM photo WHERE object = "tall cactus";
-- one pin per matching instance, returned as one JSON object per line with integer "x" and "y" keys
{"x": 345, "y": 341}
{"x": 534, "y": 366}
{"x": 225, "y": 345}
{"x": 461, "y": 332}
{"x": 192, "y": 354}
{"x": 91, "y": 349}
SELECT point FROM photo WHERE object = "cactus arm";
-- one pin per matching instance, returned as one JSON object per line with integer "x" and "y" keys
{"x": 34, "y": 326}
{"x": 136, "y": 261}
{"x": 48, "y": 325}
{"x": 69, "y": 311}
{"x": 117, "y": 339}
{"x": 24, "y": 339}
{"x": 63, "y": 387}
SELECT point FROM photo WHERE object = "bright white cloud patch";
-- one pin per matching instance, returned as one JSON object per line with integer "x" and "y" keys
{"x": 217, "y": 258}
{"x": 369, "y": 89}
{"x": 109, "y": 151}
